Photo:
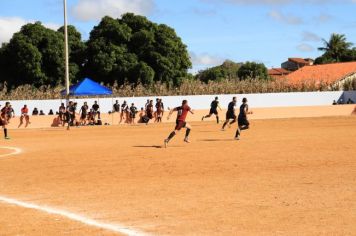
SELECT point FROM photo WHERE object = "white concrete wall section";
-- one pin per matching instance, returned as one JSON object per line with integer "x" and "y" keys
{"x": 203, "y": 102}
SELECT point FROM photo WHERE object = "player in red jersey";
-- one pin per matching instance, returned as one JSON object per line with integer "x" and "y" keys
{"x": 180, "y": 122}
{"x": 24, "y": 115}
{"x": 4, "y": 119}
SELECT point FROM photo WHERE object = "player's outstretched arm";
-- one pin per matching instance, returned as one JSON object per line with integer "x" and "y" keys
{"x": 170, "y": 113}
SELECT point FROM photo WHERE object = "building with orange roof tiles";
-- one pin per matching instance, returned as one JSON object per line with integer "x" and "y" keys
{"x": 334, "y": 75}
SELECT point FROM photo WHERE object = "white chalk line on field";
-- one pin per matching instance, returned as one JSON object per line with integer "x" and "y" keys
{"x": 74, "y": 217}
{"x": 69, "y": 215}
{"x": 15, "y": 150}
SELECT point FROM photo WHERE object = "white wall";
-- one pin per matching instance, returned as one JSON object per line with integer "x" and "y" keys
{"x": 203, "y": 102}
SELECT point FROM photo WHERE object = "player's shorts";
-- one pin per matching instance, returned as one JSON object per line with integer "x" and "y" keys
{"x": 132, "y": 116}
{"x": 230, "y": 116}
{"x": 61, "y": 115}
{"x": 83, "y": 116}
{"x": 159, "y": 113}
{"x": 242, "y": 121}
{"x": 150, "y": 115}
{"x": 180, "y": 124}
{"x": 213, "y": 111}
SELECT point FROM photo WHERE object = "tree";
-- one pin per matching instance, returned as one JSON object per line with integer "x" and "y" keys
{"x": 253, "y": 70}
{"x": 133, "y": 49}
{"x": 228, "y": 70}
{"x": 77, "y": 52}
{"x": 33, "y": 56}
{"x": 335, "y": 48}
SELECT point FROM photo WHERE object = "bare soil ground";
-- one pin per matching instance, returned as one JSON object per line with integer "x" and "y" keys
{"x": 284, "y": 177}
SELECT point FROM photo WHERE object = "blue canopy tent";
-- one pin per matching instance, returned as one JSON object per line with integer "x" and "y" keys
{"x": 88, "y": 88}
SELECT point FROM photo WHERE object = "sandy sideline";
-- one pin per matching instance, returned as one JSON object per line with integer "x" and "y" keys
{"x": 259, "y": 113}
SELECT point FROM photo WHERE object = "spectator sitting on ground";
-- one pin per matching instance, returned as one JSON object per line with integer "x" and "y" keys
{"x": 42, "y": 113}
{"x": 350, "y": 101}
{"x": 35, "y": 112}
{"x": 50, "y": 113}
{"x": 334, "y": 102}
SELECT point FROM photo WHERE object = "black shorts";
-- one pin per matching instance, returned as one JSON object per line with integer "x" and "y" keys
{"x": 132, "y": 116}
{"x": 83, "y": 116}
{"x": 242, "y": 121}
{"x": 180, "y": 124}
{"x": 230, "y": 116}
{"x": 213, "y": 111}
{"x": 150, "y": 115}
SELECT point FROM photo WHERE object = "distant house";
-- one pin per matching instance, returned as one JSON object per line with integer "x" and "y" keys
{"x": 334, "y": 75}
{"x": 278, "y": 73}
{"x": 294, "y": 64}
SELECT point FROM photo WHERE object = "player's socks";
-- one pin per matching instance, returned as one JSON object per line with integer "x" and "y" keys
{"x": 224, "y": 125}
{"x": 237, "y": 135}
{"x": 187, "y": 132}
{"x": 5, "y": 132}
{"x": 171, "y": 136}
{"x": 217, "y": 119}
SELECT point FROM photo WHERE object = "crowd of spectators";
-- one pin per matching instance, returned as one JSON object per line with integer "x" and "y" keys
{"x": 128, "y": 113}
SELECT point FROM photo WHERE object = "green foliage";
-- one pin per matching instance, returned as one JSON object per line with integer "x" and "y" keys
{"x": 128, "y": 50}
{"x": 228, "y": 70}
{"x": 336, "y": 49}
{"x": 253, "y": 70}
{"x": 35, "y": 55}
{"x": 133, "y": 49}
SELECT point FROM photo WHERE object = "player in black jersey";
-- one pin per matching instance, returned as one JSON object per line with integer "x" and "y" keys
{"x": 84, "y": 113}
{"x": 242, "y": 120}
{"x": 230, "y": 114}
{"x": 214, "y": 110}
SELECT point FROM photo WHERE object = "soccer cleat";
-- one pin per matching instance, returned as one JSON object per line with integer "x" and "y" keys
{"x": 186, "y": 140}
{"x": 222, "y": 129}
{"x": 237, "y": 138}
{"x": 7, "y": 137}
{"x": 165, "y": 143}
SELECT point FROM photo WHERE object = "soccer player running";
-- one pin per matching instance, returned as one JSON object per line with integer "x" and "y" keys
{"x": 230, "y": 114}
{"x": 242, "y": 121}
{"x": 214, "y": 110}
{"x": 24, "y": 115}
{"x": 180, "y": 122}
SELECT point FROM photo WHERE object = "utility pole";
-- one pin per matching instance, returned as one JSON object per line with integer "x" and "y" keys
{"x": 66, "y": 50}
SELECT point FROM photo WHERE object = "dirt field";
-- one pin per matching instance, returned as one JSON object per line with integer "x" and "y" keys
{"x": 284, "y": 177}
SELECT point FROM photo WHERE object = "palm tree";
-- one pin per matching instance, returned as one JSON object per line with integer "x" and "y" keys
{"x": 336, "y": 46}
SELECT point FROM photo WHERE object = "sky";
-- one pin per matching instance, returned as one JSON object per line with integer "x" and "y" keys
{"x": 265, "y": 31}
